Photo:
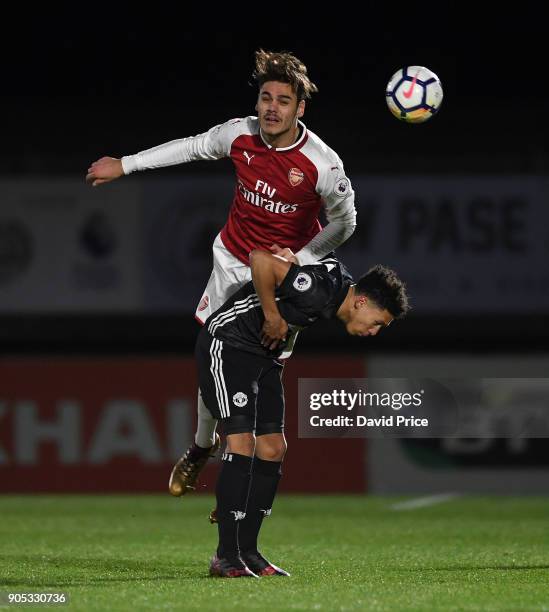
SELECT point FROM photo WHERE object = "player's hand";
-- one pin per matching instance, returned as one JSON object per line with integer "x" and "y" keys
{"x": 286, "y": 253}
{"x": 104, "y": 170}
{"x": 274, "y": 330}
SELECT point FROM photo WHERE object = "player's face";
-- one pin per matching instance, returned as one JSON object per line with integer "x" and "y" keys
{"x": 366, "y": 318}
{"x": 278, "y": 109}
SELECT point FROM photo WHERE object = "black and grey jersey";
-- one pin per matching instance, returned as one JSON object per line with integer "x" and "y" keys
{"x": 306, "y": 294}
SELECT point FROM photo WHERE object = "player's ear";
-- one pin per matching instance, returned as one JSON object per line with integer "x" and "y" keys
{"x": 256, "y": 108}
{"x": 301, "y": 109}
{"x": 361, "y": 301}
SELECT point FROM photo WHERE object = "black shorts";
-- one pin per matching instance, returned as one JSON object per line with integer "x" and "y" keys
{"x": 241, "y": 389}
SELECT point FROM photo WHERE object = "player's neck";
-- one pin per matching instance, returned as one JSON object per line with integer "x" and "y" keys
{"x": 281, "y": 141}
{"x": 344, "y": 311}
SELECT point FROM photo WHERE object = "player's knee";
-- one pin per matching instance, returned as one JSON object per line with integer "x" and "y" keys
{"x": 271, "y": 447}
{"x": 241, "y": 444}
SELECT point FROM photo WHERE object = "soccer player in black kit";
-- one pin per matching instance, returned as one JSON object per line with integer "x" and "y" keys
{"x": 239, "y": 352}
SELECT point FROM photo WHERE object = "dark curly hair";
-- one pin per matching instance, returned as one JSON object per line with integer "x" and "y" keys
{"x": 285, "y": 68}
{"x": 384, "y": 287}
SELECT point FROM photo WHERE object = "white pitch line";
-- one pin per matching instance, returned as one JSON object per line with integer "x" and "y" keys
{"x": 424, "y": 502}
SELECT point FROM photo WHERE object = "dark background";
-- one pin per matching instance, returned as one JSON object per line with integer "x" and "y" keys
{"x": 80, "y": 83}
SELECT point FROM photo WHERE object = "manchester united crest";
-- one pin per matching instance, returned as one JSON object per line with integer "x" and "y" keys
{"x": 295, "y": 176}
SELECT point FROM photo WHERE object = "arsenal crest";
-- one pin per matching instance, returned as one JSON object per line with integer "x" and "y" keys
{"x": 295, "y": 176}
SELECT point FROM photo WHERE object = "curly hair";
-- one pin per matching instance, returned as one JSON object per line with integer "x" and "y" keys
{"x": 385, "y": 289}
{"x": 285, "y": 68}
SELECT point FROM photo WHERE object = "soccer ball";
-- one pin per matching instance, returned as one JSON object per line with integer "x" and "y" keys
{"x": 414, "y": 94}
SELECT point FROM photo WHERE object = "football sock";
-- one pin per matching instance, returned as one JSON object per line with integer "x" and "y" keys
{"x": 206, "y": 425}
{"x": 197, "y": 452}
{"x": 232, "y": 493}
{"x": 265, "y": 478}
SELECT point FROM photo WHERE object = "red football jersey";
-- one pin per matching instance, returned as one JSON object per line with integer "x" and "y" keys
{"x": 278, "y": 193}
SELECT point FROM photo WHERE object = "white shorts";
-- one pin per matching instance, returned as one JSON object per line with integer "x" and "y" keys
{"x": 228, "y": 275}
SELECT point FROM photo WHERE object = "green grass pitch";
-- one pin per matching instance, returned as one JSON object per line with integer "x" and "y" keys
{"x": 344, "y": 553}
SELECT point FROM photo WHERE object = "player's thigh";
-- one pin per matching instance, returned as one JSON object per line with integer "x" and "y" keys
{"x": 229, "y": 272}
{"x": 228, "y": 275}
{"x": 228, "y": 383}
{"x": 270, "y": 400}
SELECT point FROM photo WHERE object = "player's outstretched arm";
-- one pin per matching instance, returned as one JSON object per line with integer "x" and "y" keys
{"x": 213, "y": 144}
{"x": 104, "y": 170}
{"x": 268, "y": 271}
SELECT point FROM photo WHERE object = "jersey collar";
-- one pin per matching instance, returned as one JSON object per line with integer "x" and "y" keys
{"x": 297, "y": 143}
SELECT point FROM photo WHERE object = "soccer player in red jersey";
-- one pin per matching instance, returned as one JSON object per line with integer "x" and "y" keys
{"x": 285, "y": 175}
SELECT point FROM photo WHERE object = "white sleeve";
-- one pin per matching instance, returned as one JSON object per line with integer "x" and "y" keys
{"x": 213, "y": 144}
{"x": 339, "y": 203}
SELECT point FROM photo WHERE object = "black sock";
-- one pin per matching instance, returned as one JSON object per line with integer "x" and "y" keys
{"x": 265, "y": 477}
{"x": 196, "y": 452}
{"x": 232, "y": 494}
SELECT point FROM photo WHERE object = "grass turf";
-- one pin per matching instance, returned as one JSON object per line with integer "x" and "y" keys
{"x": 344, "y": 553}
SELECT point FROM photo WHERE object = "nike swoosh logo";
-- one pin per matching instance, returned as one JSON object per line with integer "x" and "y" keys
{"x": 408, "y": 94}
